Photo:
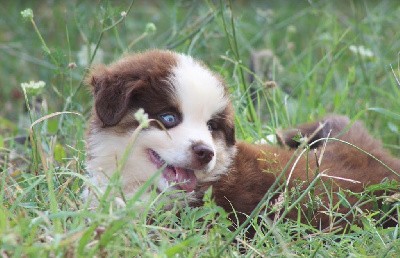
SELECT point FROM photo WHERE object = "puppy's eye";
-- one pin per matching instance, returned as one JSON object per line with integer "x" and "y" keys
{"x": 169, "y": 120}
{"x": 212, "y": 125}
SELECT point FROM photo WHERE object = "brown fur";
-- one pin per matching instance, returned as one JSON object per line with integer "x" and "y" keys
{"x": 256, "y": 168}
{"x": 133, "y": 82}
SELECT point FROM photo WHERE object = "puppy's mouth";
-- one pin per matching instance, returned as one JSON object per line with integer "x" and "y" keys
{"x": 183, "y": 178}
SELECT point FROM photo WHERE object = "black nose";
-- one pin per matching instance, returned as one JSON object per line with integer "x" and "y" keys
{"x": 203, "y": 153}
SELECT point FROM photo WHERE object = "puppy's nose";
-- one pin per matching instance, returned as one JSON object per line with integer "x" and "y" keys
{"x": 203, "y": 153}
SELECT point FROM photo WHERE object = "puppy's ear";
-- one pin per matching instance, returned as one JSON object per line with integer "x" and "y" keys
{"x": 112, "y": 94}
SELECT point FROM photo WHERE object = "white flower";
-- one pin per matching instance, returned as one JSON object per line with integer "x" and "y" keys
{"x": 27, "y": 14}
{"x": 142, "y": 117}
{"x": 123, "y": 14}
{"x": 85, "y": 54}
{"x": 362, "y": 51}
{"x": 32, "y": 87}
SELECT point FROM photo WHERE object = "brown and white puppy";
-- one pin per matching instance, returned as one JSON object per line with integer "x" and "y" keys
{"x": 190, "y": 102}
{"x": 198, "y": 146}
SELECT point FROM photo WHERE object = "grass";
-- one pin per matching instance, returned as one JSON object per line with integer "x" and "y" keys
{"x": 312, "y": 63}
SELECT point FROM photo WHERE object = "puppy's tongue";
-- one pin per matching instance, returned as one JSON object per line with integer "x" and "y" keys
{"x": 184, "y": 178}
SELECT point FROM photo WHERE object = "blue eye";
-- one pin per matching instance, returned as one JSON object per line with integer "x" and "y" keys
{"x": 169, "y": 120}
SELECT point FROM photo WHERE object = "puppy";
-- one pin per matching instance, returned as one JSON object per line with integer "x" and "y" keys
{"x": 191, "y": 139}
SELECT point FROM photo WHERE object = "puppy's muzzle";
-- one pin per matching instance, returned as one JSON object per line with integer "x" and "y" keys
{"x": 203, "y": 153}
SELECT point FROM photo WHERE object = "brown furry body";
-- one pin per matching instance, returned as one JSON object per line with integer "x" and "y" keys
{"x": 343, "y": 167}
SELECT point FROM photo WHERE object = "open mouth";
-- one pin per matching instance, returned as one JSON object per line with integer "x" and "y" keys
{"x": 183, "y": 178}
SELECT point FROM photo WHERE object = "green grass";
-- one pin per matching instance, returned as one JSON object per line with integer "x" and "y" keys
{"x": 41, "y": 213}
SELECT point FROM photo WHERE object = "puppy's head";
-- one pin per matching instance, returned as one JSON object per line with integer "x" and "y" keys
{"x": 184, "y": 96}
